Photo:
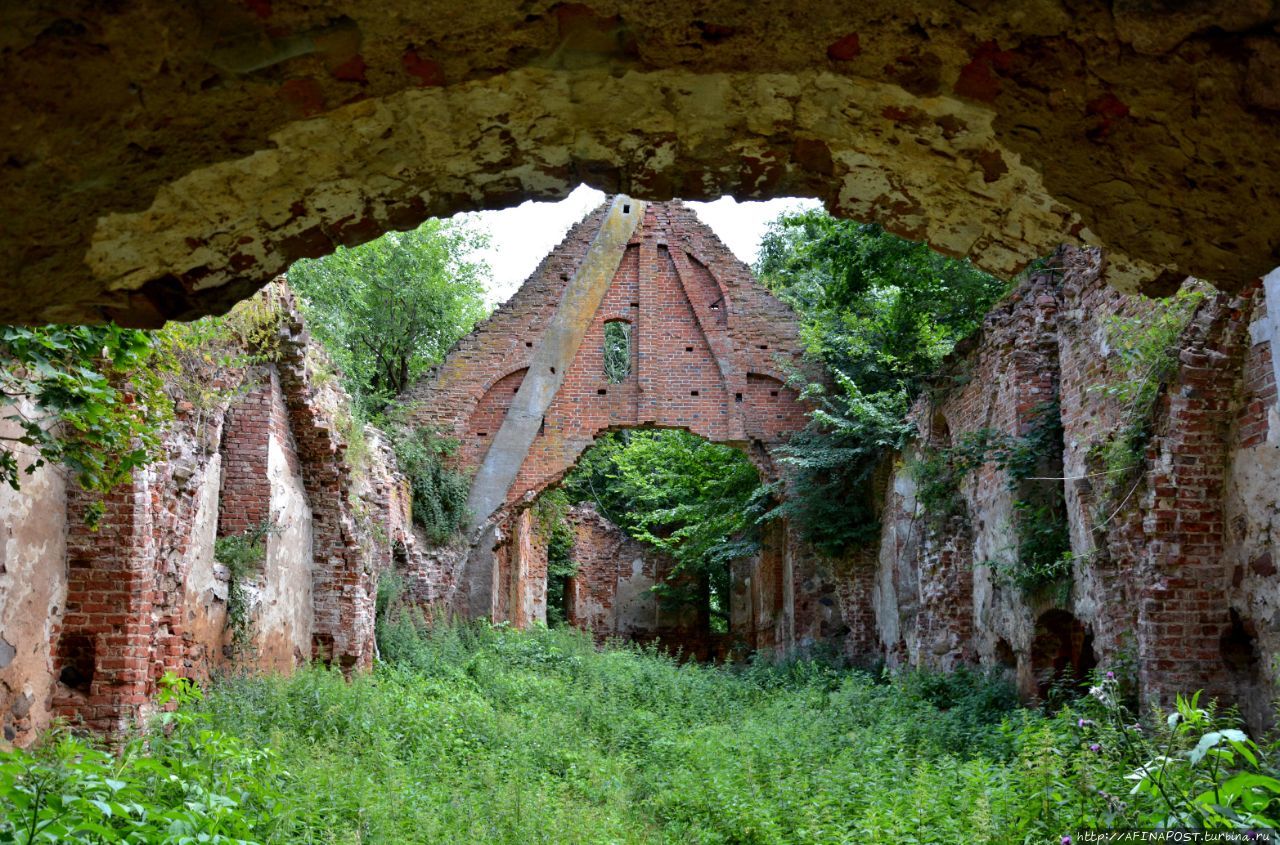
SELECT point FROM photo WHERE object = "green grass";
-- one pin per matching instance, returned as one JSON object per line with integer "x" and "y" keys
{"x": 474, "y": 734}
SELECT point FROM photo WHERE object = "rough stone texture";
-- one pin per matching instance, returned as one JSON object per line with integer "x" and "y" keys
{"x": 710, "y": 350}
{"x": 611, "y": 595}
{"x": 96, "y": 617}
{"x": 552, "y": 357}
{"x": 165, "y": 160}
{"x": 263, "y": 482}
{"x": 33, "y": 585}
{"x": 1177, "y": 577}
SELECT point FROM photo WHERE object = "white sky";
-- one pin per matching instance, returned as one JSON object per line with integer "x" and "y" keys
{"x": 521, "y": 236}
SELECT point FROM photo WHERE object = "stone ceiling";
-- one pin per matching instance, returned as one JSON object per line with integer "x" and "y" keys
{"x": 164, "y": 159}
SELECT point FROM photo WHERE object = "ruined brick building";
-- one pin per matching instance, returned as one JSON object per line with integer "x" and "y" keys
{"x": 227, "y": 143}
{"x": 709, "y": 350}
{"x": 1175, "y": 579}
{"x": 91, "y": 618}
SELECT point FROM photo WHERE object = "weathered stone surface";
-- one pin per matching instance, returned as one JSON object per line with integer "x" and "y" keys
{"x": 710, "y": 351}
{"x": 96, "y": 618}
{"x": 1175, "y": 579}
{"x": 165, "y": 160}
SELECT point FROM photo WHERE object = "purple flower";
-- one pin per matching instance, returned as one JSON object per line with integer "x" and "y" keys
{"x": 1066, "y": 840}
{"x": 1111, "y": 676}
{"x": 1084, "y": 723}
{"x": 1095, "y": 748}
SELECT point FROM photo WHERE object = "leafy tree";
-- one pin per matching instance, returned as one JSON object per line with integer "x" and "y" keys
{"x": 88, "y": 397}
{"x": 388, "y": 310}
{"x": 385, "y": 312}
{"x": 695, "y": 500}
{"x": 880, "y": 313}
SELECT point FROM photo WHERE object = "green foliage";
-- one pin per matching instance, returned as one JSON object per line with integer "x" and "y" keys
{"x": 551, "y": 512}
{"x": 1095, "y": 766}
{"x": 439, "y": 490}
{"x": 1032, "y": 464}
{"x": 388, "y": 310}
{"x": 475, "y": 733}
{"x": 697, "y": 501}
{"x": 242, "y": 554}
{"x": 88, "y": 397}
{"x": 204, "y": 360}
{"x": 617, "y": 350}
{"x": 1147, "y": 348}
{"x": 188, "y": 785}
{"x": 879, "y": 313}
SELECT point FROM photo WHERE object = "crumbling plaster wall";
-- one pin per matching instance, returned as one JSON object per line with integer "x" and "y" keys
{"x": 97, "y": 616}
{"x": 33, "y": 587}
{"x": 300, "y": 126}
{"x": 1175, "y": 578}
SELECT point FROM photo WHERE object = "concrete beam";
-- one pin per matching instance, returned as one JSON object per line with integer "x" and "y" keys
{"x": 578, "y": 306}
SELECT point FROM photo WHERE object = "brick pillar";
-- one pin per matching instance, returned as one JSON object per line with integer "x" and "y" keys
{"x": 104, "y": 647}
{"x": 1183, "y": 608}
{"x": 246, "y": 489}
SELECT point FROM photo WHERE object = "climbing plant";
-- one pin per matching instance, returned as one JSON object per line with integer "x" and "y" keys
{"x": 1146, "y": 346}
{"x": 242, "y": 554}
{"x": 88, "y": 397}
{"x": 439, "y": 489}
{"x": 878, "y": 313}
{"x": 1031, "y": 462}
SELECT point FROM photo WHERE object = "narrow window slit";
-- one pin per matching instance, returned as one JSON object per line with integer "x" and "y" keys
{"x": 617, "y": 350}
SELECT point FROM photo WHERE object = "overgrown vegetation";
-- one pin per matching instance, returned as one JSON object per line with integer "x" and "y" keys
{"x": 439, "y": 490}
{"x": 879, "y": 313}
{"x": 389, "y": 309}
{"x": 1147, "y": 348}
{"x": 90, "y": 398}
{"x": 1032, "y": 464}
{"x": 242, "y": 554}
{"x": 479, "y": 734}
{"x": 551, "y": 512}
{"x": 385, "y": 312}
{"x": 697, "y": 501}
{"x": 96, "y": 399}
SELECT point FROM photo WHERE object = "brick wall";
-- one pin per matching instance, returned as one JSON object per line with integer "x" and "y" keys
{"x": 611, "y": 594}
{"x": 143, "y": 593}
{"x": 710, "y": 349}
{"x": 1153, "y": 574}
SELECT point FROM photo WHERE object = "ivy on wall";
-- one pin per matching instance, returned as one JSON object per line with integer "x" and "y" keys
{"x": 1032, "y": 463}
{"x": 1146, "y": 347}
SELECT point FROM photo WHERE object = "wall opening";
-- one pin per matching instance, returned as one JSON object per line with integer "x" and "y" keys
{"x": 653, "y": 523}
{"x": 1061, "y": 653}
{"x": 78, "y": 657}
{"x": 617, "y": 350}
{"x": 1239, "y": 649}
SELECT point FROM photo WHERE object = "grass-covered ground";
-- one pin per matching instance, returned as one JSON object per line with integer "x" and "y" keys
{"x": 484, "y": 735}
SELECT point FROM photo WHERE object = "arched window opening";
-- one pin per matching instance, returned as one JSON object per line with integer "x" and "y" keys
{"x": 617, "y": 350}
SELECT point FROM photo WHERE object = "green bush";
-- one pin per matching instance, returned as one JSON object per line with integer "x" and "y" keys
{"x": 475, "y": 733}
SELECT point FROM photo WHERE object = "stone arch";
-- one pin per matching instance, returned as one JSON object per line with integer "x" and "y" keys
{"x": 977, "y": 142}
{"x": 539, "y": 366}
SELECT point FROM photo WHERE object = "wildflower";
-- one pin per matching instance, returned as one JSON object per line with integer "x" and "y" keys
{"x": 1095, "y": 748}
{"x": 1084, "y": 723}
{"x": 1111, "y": 676}
{"x": 1066, "y": 840}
